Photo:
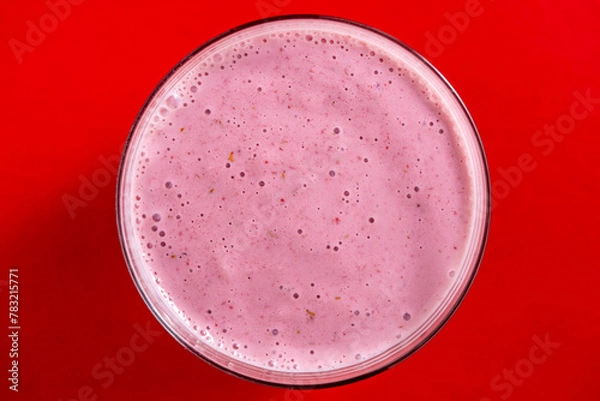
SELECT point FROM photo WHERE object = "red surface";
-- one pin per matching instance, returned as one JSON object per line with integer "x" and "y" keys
{"x": 518, "y": 65}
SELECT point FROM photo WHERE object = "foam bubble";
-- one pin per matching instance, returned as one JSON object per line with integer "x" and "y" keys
{"x": 173, "y": 101}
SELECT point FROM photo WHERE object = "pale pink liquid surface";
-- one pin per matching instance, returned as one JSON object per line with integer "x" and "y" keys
{"x": 301, "y": 200}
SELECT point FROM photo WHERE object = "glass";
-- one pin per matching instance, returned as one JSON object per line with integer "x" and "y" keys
{"x": 227, "y": 51}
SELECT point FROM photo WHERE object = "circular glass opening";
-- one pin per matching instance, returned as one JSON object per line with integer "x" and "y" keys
{"x": 303, "y": 201}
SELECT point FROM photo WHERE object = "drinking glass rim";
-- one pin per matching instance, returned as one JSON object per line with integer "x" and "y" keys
{"x": 447, "y": 314}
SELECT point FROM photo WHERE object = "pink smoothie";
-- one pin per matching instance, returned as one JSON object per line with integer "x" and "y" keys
{"x": 303, "y": 197}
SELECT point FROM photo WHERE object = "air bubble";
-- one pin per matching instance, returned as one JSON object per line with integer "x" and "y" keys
{"x": 172, "y": 102}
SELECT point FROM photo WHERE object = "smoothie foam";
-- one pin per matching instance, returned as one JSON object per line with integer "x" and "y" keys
{"x": 302, "y": 196}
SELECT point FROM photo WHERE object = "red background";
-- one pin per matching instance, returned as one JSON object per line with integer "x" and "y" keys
{"x": 74, "y": 95}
